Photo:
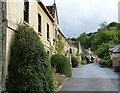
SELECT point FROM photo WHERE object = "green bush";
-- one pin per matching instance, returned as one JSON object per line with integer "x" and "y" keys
{"x": 61, "y": 64}
{"x": 83, "y": 62}
{"x": 74, "y": 61}
{"x": 29, "y": 68}
{"x": 106, "y": 62}
{"x": 87, "y": 59}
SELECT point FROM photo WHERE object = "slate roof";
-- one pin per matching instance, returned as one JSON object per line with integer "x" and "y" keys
{"x": 76, "y": 44}
{"x": 53, "y": 10}
{"x": 112, "y": 45}
{"x": 45, "y": 10}
{"x": 116, "y": 49}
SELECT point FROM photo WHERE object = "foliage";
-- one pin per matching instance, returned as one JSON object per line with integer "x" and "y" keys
{"x": 84, "y": 40}
{"x": 106, "y": 62}
{"x": 74, "y": 61}
{"x": 102, "y": 50}
{"x": 59, "y": 79}
{"x": 29, "y": 68}
{"x": 87, "y": 59}
{"x": 83, "y": 62}
{"x": 59, "y": 45}
{"x": 98, "y": 41}
{"x": 61, "y": 64}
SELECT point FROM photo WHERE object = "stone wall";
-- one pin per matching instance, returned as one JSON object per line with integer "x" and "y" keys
{"x": 2, "y": 42}
{"x": 0, "y": 47}
{"x": 0, "y": 59}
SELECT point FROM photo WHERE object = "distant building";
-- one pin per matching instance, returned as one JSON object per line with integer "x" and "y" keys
{"x": 115, "y": 55}
{"x": 76, "y": 49}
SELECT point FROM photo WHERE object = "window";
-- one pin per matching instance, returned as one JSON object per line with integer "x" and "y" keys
{"x": 48, "y": 32}
{"x": 26, "y": 11}
{"x": 48, "y": 52}
{"x": 39, "y": 23}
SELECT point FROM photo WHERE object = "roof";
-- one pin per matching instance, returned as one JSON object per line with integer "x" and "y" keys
{"x": 53, "y": 11}
{"x": 73, "y": 45}
{"x": 46, "y": 10}
{"x": 63, "y": 36}
{"x": 112, "y": 45}
{"x": 76, "y": 44}
{"x": 116, "y": 49}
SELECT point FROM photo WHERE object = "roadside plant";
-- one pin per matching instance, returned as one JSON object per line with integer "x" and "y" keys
{"x": 61, "y": 64}
{"x": 29, "y": 67}
{"x": 74, "y": 61}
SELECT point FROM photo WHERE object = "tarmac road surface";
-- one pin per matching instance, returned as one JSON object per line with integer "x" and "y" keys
{"x": 91, "y": 78}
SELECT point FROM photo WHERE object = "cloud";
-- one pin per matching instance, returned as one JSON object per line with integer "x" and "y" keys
{"x": 78, "y": 16}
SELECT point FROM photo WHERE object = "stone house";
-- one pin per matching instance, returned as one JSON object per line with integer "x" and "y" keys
{"x": 76, "y": 50}
{"x": 43, "y": 19}
{"x": 115, "y": 55}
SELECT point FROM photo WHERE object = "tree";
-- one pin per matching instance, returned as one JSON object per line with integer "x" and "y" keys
{"x": 84, "y": 40}
{"x": 102, "y": 50}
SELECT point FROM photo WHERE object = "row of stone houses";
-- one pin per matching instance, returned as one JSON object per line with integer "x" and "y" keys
{"x": 43, "y": 19}
{"x": 114, "y": 51}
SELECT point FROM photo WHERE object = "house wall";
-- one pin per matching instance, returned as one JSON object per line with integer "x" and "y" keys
{"x": 74, "y": 50}
{"x": 116, "y": 61}
{"x": 45, "y": 20}
{"x": 14, "y": 15}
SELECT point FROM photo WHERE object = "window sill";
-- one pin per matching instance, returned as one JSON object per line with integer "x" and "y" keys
{"x": 48, "y": 39}
{"x": 39, "y": 33}
{"x": 27, "y": 24}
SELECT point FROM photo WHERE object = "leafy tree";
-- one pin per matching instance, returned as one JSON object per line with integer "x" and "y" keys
{"x": 105, "y": 35}
{"x": 102, "y": 50}
{"x": 84, "y": 40}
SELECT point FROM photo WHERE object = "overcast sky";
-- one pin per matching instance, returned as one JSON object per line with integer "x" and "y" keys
{"x": 78, "y": 16}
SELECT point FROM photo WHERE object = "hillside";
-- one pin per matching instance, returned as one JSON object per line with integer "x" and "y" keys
{"x": 99, "y": 41}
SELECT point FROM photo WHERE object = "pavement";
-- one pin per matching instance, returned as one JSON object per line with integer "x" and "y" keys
{"x": 91, "y": 78}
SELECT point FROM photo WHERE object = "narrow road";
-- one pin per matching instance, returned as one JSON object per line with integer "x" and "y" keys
{"x": 92, "y": 79}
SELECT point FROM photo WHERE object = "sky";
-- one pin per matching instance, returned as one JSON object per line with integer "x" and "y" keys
{"x": 78, "y": 16}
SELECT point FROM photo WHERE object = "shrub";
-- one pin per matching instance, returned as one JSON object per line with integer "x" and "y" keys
{"x": 61, "y": 64}
{"x": 83, "y": 62}
{"x": 74, "y": 61}
{"x": 29, "y": 68}
{"x": 106, "y": 62}
{"x": 87, "y": 59}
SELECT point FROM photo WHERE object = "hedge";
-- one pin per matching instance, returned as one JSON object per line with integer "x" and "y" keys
{"x": 29, "y": 68}
{"x": 74, "y": 61}
{"x": 106, "y": 62}
{"x": 61, "y": 64}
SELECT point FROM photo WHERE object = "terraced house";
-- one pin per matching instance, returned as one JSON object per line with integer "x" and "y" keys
{"x": 43, "y": 19}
